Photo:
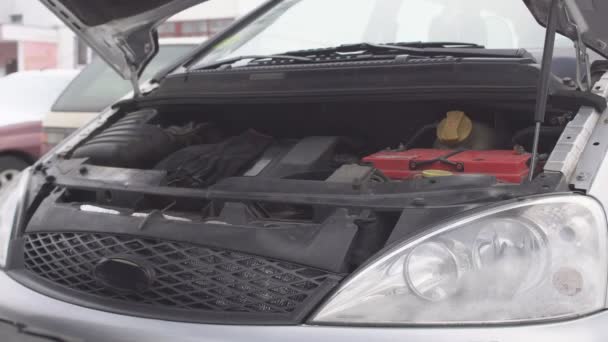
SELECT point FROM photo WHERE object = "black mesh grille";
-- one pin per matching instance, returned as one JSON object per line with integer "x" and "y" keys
{"x": 186, "y": 276}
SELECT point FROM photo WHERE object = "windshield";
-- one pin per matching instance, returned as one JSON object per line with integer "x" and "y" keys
{"x": 310, "y": 24}
{"x": 98, "y": 85}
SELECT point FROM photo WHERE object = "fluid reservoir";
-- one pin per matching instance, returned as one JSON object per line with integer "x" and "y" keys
{"x": 458, "y": 131}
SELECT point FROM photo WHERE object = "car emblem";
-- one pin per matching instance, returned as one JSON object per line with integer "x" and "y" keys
{"x": 124, "y": 274}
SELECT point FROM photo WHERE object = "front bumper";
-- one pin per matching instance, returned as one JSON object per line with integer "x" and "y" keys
{"x": 41, "y": 315}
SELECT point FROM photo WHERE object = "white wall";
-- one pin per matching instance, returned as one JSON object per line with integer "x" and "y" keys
{"x": 35, "y": 17}
{"x": 34, "y": 13}
{"x": 6, "y": 8}
{"x": 217, "y": 9}
{"x": 66, "y": 52}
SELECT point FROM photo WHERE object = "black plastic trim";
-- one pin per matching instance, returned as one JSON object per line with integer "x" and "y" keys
{"x": 325, "y": 245}
{"x": 65, "y": 294}
{"x": 451, "y": 191}
{"x": 508, "y": 80}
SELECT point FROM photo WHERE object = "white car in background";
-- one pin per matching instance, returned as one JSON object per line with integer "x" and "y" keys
{"x": 28, "y": 95}
{"x": 99, "y": 86}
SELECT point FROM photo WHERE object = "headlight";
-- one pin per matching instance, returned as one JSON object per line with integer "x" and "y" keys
{"x": 537, "y": 259}
{"x": 11, "y": 204}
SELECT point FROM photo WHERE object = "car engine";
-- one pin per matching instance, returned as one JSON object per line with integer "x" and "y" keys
{"x": 198, "y": 155}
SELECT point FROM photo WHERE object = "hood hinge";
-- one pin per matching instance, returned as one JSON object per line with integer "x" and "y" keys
{"x": 583, "y": 65}
{"x": 133, "y": 72}
{"x": 135, "y": 83}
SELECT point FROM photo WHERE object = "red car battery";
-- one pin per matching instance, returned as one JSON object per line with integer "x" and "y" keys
{"x": 508, "y": 166}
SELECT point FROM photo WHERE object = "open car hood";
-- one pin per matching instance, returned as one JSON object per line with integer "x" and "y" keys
{"x": 579, "y": 20}
{"x": 124, "y": 34}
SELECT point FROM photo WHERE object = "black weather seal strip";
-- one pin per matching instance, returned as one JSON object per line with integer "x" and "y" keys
{"x": 544, "y": 82}
{"x": 582, "y": 98}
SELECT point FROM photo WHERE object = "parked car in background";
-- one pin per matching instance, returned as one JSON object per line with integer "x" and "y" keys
{"x": 20, "y": 147}
{"x": 99, "y": 86}
{"x": 24, "y": 99}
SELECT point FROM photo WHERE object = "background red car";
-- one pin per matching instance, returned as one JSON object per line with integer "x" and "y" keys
{"x": 19, "y": 148}
{"x": 24, "y": 99}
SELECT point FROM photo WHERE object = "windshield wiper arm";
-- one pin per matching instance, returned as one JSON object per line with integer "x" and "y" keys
{"x": 227, "y": 63}
{"x": 417, "y": 49}
{"x": 422, "y": 44}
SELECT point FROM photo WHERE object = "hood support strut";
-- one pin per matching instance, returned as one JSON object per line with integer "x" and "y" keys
{"x": 583, "y": 70}
{"x": 542, "y": 95}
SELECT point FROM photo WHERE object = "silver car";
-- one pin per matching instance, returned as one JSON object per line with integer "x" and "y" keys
{"x": 353, "y": 170}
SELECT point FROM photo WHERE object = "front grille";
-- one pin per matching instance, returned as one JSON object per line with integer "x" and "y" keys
{"x": 186, "y": 277}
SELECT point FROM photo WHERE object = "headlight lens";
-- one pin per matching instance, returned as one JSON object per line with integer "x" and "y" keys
{"x": 11, "y": 200}
{"x": 537, "y": 259}
{"x": 433, "y": 271}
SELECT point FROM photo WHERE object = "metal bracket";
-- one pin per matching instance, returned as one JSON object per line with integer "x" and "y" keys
{"x": 133, "y": 73}
{"x": 566, "y": 156}
{"x": 135, "y": 83}
{"x": 583, "y": 64}
{"x": 585, "y": 160}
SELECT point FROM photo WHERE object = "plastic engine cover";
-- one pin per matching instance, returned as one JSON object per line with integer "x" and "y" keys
{"x": 508, "y": 166}
{"x": 133, "y": 142}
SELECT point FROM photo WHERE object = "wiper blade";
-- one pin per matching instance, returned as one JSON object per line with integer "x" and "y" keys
{"x": 421, "y": 49}
{"x": 364, "y": 51}
{"x": 421, "y": 44}
{"x": 227, "y": 63}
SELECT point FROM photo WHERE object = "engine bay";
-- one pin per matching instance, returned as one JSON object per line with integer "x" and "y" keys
{"x": 296, "y": 182}
{"x": 198, "y": 154}
{"x": 259, "y": 211}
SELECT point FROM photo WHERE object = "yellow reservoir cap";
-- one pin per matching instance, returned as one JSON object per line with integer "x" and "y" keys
{"x": 436, "y": 173}
{"x": 455, "y": 128}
